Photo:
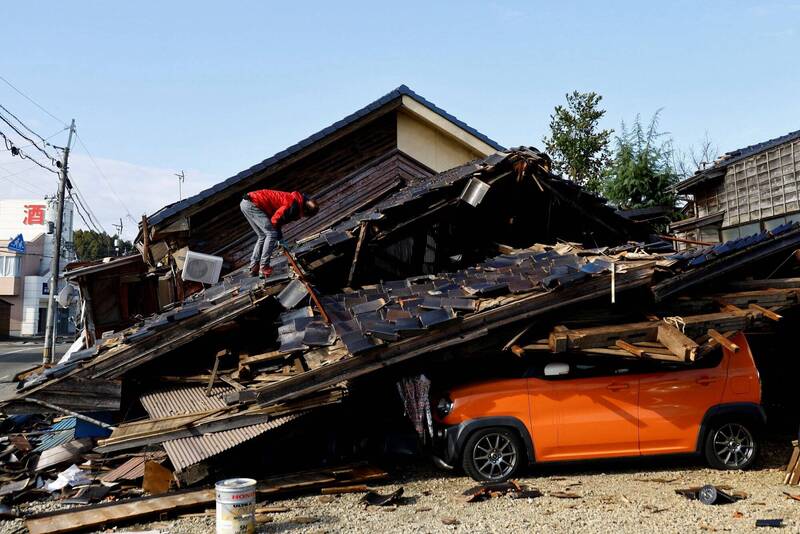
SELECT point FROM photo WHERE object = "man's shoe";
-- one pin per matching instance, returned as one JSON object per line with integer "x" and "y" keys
{"x": 254, "y": 270}
{"x": 265, "y": 272}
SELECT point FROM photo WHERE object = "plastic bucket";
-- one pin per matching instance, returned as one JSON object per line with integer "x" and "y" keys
{"x": 236, "y": 506}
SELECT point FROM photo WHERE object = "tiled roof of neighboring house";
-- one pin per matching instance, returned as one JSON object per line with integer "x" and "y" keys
{"x": 398, "y": 93}
{"x": 718, "y": 168}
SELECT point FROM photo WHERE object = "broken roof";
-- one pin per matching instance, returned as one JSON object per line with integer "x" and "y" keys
{"x": 717, "y": 169}
{"x": 390, "y": 99}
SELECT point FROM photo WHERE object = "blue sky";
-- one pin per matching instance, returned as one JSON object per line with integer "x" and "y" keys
{"x": 213, "y": 88}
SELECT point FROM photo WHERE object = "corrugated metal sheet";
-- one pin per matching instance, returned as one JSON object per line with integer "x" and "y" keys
{"x": 133, "y": 468}
{"x": 61, "y": 432}
{"x": 184, "y": 452}
{"x": 183, "y": 400}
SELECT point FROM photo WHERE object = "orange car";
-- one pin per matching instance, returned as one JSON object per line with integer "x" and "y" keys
{"x": 581, "y": 407}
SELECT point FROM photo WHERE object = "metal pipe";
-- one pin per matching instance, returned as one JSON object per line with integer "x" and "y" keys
{"x": 70, "y": 412}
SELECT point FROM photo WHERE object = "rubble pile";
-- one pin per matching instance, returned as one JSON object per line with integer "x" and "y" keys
{"x": 150, "y": 408}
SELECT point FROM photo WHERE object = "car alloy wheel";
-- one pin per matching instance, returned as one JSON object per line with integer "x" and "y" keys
{"x": 494, "y": 456}
{"x": 733, "y": 445}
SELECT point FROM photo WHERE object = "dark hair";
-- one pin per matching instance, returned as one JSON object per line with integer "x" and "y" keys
{"x": 310, "y": 207}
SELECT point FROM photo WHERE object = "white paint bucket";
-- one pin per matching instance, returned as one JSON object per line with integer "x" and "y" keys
{"x": 236, "y": 506}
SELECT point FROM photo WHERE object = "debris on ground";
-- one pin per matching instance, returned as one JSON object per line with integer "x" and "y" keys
{"x": 500, "y": 489}
{"x": 710, "y": 494}
{"x": 373, "y": 498}
{"x": 774, "y": 523}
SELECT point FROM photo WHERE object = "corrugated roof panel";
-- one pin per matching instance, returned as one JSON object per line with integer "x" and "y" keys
{"x": 184, "y": 452}
{"x": 133, "y": 468}
{"x": 183, "y": 400}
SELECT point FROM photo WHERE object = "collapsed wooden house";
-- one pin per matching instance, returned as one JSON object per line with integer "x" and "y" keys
{"x": 348, "y": 166}
{"x": 406, "y": 282}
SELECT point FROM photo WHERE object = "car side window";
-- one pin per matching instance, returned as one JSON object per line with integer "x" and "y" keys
{"x": 585, "y": 367}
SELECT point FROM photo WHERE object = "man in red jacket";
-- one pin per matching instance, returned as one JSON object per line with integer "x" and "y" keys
{"x": 267, "y": 211}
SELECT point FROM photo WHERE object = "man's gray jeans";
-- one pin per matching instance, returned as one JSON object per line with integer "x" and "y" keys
{"x": 267, "y": 235}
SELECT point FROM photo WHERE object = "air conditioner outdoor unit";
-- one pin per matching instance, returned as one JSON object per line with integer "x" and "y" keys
{"x": 200, "y": 267}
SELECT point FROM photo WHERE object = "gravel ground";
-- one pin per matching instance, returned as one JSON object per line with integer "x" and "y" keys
{"x": 629, "y": 496}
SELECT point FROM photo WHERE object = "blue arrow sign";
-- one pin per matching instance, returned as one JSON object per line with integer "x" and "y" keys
{"x": 17, "y": 245}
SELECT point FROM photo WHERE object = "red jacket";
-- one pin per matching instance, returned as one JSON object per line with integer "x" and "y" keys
{"x": 282, "y": 207}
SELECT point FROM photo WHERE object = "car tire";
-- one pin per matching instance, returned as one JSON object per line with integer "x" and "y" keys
{"x": 492, "y": 454}
{"x": 730, "y": 445}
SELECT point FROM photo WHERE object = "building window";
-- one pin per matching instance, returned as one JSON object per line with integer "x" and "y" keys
{"x": 10, "y": 265}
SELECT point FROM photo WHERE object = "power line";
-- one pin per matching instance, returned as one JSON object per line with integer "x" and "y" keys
{"x": 108, "y": 182}
{"x": 32, "y": 101}
{"x": 29, "y": 129}
{"x": 28, "y": 139}
{"x": 15, "y": 151}
{"x": 80, "y": 202}
{"x": 78, "y": 210}
{"x": 85, "y": 204}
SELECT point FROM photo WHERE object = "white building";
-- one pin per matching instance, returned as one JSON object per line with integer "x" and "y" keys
{"x": 25, "y": 277}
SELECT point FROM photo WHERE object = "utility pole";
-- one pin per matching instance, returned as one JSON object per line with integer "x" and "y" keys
{"x": 118, "y": 238}
{"x": 181, "y": 178}
{"x": 50, "y": 329}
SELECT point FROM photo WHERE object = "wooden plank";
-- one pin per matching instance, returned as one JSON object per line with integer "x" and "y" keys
{"x": 627, "y": 347}
{"x": 92, "y": 516}
{"x": 110, "y": 513}
{"x": 723, "y": 340}
{"x": 769, "y": 314}
{"x": 362, "y": 234}
{"x": 762, "y": 297}
{"x": 679, "y": 344}
{"x": 790, "y": 468}
{"x": 773, "y": 283}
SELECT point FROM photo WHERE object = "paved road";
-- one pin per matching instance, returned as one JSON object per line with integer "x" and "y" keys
{"x": 19, "y": 356}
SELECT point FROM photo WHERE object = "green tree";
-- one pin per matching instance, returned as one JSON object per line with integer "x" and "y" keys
{"x": 643, "y": 171}
{"x": 580, "y": 150}
{"x": 91, "y": 245}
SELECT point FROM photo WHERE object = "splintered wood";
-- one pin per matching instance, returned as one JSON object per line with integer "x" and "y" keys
{"x": 114, "y": 512}
{"x": 658, "y": 339}
{"x": 792, "y": 476}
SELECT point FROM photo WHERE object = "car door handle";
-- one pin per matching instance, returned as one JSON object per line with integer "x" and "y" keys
{"x": 617, "y": 387}
{"x": 706, "y": 381}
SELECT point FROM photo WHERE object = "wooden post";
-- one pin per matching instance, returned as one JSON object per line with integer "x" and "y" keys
{"x": 310, "y": 290}
{"x": 146, "y": 241}
{"x": 361, "y": 236}
{"x": 678, "y": 344}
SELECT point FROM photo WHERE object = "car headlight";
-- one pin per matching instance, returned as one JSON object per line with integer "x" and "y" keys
{"x": 444, "y": 406}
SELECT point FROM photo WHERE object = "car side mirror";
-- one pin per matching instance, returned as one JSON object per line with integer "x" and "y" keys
{"x": 556, "y": 369}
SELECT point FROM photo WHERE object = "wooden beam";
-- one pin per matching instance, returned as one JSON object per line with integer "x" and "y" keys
{"x": 723, "y": 340}
{"x": 110, "y": 513}
{"x": 679, "y": 344}
{"x": 769, "y": 314}
{"x": 310, "y": 289}
{"x": 627, "y": 347}
{"x": 773, "y": 283}
{"x": 362, "y": 233}
{"x": 563, "y": 340}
